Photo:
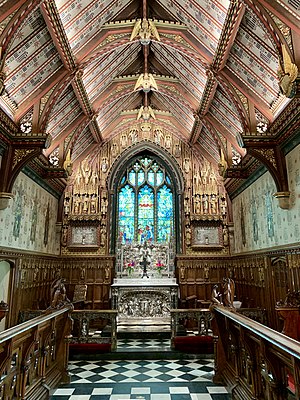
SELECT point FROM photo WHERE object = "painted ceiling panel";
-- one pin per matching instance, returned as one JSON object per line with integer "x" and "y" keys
{"x": 31, "y": 26}
{"x": 244, "y": 72}
{"x": 209, "y": 143}
{"x": 293, "y": 6}
{"x": 32, "y": 59}
{"x": 221, "y": 116}
{"x": 253, "y": 59}
{"x": 227, "y": 110}
{"x": 192, "y": 78}
{"x": 107, "y": 67}
{"x": 84, "y": 140}
{"x": 110, "y": 113}
{"x": 204, "y": 18}
{"x": 181, "y": 113}
{"x": 64, "y": 113}
{"x": 83, "y": 19}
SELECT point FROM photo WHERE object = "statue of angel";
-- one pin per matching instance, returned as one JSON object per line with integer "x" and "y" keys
{"x": 146, "y": 82}
{"x": 287, "y": 75}
{"x": 145, "y": 113}
{"x": 144, "y": 29}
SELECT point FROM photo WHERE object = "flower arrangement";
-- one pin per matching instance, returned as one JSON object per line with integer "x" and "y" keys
{"x": 130, "y": 267}
{"x": 159, "y": 266}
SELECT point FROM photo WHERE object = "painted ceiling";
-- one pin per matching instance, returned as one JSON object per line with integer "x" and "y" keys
{"x": 71, "y": 67}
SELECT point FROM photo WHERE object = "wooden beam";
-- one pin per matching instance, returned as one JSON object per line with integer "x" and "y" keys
{"x": 232, "y": 35}
{"x": 9, "y": 7}
{"x": 282, "y": 13}
{"x": 222, "y": 131}
{"x": 205, "y": 153}
{"x": 61, "y": 137}
{"x": 91, "y": 147}
{"x": 254, "y": 98}
{"x": 37, "y": 94}
{"x": 58, "y": 34}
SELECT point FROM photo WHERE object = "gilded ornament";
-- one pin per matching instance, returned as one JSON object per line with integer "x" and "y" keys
{"x": 144, "y": 29}
{"x": 269, "y": 155}
{"x": 287, "y": 75}
{"x": 19, "y": 154}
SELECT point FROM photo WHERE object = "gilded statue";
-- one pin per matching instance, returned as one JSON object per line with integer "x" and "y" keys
{"x": 146, "y": 82}
{"x": 144, "y": 29}
{"x": 287, "y": 75}
{"x": 145, "y": 113}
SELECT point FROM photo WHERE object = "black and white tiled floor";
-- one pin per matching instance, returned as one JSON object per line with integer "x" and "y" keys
{"x": 141, "y": 380}
{"x": 189, "y": 379}
{"x": 144, "y": 344}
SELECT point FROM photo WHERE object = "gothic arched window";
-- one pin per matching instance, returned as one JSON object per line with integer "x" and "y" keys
{"x": 145, "y": 203}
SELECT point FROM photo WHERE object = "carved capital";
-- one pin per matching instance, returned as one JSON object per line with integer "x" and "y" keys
{"x": 4, "y": 199}
{"x": 283, "y": 199}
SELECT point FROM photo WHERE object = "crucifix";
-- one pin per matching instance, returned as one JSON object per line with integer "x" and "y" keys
{"x": 144, "y": 264}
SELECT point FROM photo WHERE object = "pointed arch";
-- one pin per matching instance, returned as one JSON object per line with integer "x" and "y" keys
{"x": 168, "y": 162}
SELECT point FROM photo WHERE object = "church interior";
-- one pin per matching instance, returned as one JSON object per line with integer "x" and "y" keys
{"x": 149, "y": 177}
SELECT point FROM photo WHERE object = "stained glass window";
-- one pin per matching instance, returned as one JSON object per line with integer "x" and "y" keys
{"x": 145, "y": 203}
{"x": 126, "y": 214}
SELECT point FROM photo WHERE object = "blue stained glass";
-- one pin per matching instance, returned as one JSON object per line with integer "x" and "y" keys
{"x": 141, "y": 177}
{"x": 126, "y": 214}
{"x": 159, "y": 178}
{"x": 146, "y": 161}
{"x": 131, "y": 177}
{"x": 164, "y": 214}
{"x": 145, "y": 214}
{"x": 145, "y": 203}
{"x": 151, "y": 177}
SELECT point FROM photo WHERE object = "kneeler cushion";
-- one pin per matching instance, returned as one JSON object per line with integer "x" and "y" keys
{"x": 194, "y": 344}
{"x": 90, "y": 347}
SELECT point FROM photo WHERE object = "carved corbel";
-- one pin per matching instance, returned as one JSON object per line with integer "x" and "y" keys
{"x": 273, "y": 158}
{"x": 15, "y": 157}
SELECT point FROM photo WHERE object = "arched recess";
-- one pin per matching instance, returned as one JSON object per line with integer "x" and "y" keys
{"x": 118, "y": 169}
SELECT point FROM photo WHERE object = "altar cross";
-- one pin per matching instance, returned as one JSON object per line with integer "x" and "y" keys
{"x": 144, "y": 264}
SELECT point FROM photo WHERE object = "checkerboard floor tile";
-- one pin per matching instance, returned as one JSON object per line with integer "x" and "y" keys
{"x": 151, "y": 344}
{"x": 141, "y": 380}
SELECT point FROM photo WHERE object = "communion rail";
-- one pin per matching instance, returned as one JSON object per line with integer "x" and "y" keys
{"x": 34, "y": 356}
{"x": 254, "y": 361}
{"x": 94, "y": 327}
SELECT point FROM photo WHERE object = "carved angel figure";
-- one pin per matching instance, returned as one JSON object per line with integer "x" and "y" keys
{"x": 288, "y": 75}
{"x": 146, "y": 82}
{"x": 144, "y": 29}
{"x": 145, "y": 113}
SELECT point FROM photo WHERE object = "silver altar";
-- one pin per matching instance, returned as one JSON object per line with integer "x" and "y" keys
{"x": 145, "y": 289}
{"x": 144, "y": 301}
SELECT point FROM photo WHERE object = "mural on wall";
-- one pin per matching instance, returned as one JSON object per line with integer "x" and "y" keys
{"x": 23, "y": 222}
{"x": 17, "y": 210}
{"x": 46, "y": 230}
{"x": 254, "y": 219}
{"x": 34, "y": 219}
{"x": 269, "y": 214}
{"x": 275, "y": 226}
{"x": 242, "y": 219}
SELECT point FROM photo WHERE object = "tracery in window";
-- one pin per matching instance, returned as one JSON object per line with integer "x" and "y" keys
{"x": 145, "y": 203}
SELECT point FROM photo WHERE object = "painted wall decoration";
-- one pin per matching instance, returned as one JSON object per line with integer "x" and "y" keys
{"x": 274, "y": 226}
{"x": 29, "y": 221}
{"x": 254, "y": 219}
